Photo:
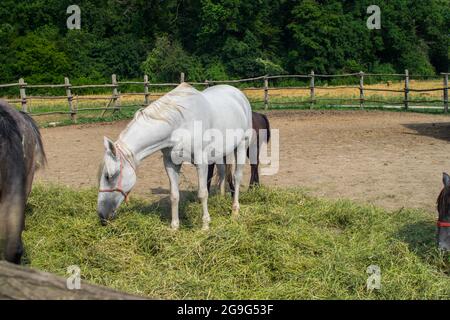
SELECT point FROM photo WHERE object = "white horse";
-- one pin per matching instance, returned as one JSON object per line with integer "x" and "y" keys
{"x": 182, "y": 125}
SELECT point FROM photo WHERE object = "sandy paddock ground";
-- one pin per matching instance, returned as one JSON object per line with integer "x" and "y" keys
{"x": 390, "y": 159}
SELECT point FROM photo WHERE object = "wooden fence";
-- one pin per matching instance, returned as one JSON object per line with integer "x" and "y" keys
{"x": 20, "y": 283}
{"x": 115, "y": 105}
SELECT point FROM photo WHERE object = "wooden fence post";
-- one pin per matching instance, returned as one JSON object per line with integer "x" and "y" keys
{"x": 206, "y": 84}
{"x": 115, "y": 93}
{"x": 146, "y": 92}
{"x": 20, "y": 283}
{"x": 182, "y": 77}
{"x": 361, "y": 90}
{"x": 446, "y": 92}
{"x": 23, "y": 95}
{"x": 311, "y": 87}
{"x": 266, "y": 93}
{"x": 406, "y": 89}
{"x": 73, "y": 112}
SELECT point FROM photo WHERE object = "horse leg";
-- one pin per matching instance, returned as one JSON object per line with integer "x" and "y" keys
{"x": 221, "y": 171}
{"x": 229, "y": 160}
{"x": 254, "y": 179}
{"x": 173, "y": 172}
{"x": 221, "y": 174}
{"x": 210, "y": 175}
{"x": 202, "y": 172}
{"x": 253, "y": 155}
{"x": 238, "y": 172}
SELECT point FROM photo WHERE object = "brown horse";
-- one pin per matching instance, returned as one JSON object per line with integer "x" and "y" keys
{"x": 260, "y": 124}
{"x": 443, "y": 207}
{"x": 21, "y": 152}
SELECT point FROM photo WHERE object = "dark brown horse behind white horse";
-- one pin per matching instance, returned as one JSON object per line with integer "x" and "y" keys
{"x": 261, "y": 127}
{"x": 21, "y": 153}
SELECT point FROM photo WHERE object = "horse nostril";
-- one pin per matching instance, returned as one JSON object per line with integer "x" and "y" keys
{"x": 104, "y": 222}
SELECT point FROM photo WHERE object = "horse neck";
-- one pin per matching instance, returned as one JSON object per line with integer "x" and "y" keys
{"x": 142, "y": 139}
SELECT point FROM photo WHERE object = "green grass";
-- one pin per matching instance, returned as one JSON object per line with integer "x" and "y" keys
{"x": 285, "y": 245}
{"x": 91, "y": 117}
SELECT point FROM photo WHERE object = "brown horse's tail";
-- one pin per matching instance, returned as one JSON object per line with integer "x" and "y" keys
{"x": 267, "y": 126}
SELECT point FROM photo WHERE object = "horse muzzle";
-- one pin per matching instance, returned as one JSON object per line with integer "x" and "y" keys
{"x": 104, "y": 217}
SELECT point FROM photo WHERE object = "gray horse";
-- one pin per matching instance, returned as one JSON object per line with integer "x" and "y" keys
{"x": 21, "y": 153}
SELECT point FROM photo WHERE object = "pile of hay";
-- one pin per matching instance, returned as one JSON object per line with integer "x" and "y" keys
{"x": 285, "y": 245}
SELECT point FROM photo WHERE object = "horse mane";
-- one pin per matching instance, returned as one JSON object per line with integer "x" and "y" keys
{"x": 11, "y": 151}
{"x": 11, "y": 136}
{"x": 40, "y": 152}
{"x": 441, "y": 203}
{"x": 169, "y": 107}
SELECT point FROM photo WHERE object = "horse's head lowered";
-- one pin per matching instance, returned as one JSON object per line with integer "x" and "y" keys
{"x": 443, "y": 223}
{"x": 117, "y": 178}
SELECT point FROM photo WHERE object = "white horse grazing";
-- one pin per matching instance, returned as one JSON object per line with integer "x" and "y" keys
{"x": 182, "y": 124}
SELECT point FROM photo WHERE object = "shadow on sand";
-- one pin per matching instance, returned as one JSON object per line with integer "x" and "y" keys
{"x": 437, "y": 130}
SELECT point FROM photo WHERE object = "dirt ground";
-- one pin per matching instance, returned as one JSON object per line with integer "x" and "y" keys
{"x": 390, "y": 159}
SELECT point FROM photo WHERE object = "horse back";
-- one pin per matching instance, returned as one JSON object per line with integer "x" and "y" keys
{"x": 229, "y": 107}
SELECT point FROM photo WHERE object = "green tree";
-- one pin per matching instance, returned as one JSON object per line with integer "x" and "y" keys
{"x": 219, "y": 38}
{"x": 168, "y": 59}
{"x": 38, "y": 58}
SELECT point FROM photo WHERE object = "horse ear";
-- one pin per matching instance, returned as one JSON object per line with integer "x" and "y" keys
{"x": 111, "y": 163}
{"x": 109, "y": 146}
{"x": 446, "y": 179}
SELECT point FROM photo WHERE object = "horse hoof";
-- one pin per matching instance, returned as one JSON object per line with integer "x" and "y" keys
{"x": 235, "y": 214}
{"x": 174, "y": 227}
{"x": 205, "y": 228}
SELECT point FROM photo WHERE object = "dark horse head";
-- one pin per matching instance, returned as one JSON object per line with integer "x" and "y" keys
{"x": 443, "y": 223}
{"x": 21, "y": 152}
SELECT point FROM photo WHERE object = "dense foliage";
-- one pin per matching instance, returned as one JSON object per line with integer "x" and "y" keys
{"x": 218, "y": 39}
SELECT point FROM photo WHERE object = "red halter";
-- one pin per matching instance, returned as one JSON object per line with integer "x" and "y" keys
{"x": 443, "y": 224}
{"x": 118, "y": 188}
{"x": 441, "y": 204}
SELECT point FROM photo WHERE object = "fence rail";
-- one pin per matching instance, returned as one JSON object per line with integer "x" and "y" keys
{"x": 115, "y": 104}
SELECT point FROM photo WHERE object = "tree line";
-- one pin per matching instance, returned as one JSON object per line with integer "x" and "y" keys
{"x": 219, "y": 39}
